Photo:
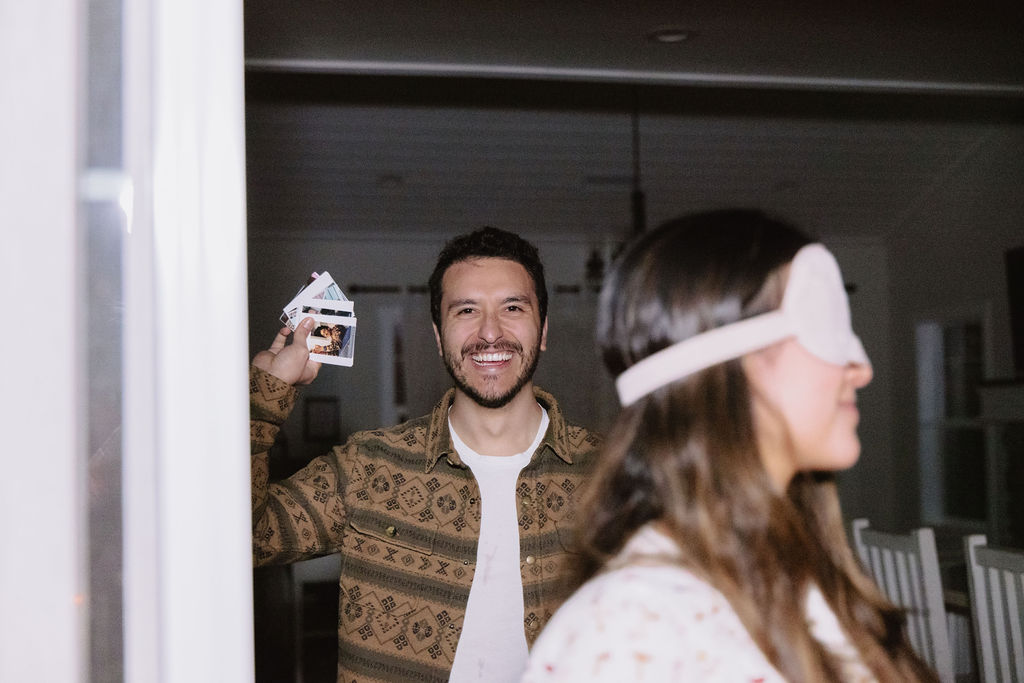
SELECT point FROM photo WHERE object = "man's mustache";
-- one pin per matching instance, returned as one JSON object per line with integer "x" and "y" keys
{"x": 480, "y": 347}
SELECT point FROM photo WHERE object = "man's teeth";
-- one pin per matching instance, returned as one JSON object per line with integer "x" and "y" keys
{"x": 492, "y": 357}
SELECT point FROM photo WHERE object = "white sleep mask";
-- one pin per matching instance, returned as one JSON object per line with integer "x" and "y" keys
{"x": 814, "y": 309}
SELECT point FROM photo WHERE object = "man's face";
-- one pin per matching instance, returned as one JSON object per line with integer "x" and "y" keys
{"x": 491, "y": 335}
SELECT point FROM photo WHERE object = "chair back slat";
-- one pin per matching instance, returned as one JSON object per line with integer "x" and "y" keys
{"x": 996, "y": 580}
{"x": 906, "y": 569}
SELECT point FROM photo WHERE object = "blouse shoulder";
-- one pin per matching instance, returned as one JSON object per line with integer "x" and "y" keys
{"x": 645, "y": 623}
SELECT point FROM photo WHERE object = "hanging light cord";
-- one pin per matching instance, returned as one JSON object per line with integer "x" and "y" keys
{"x": 639, "y": 210}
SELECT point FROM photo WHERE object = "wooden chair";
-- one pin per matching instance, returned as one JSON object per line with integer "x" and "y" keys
{"x": 906, "y": 568}
{"x": 996, "y": 585}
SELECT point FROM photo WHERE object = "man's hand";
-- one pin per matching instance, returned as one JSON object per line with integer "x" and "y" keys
{"x": 289, "y": 362}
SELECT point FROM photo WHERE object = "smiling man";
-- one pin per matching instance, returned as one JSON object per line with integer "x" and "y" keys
{"x": 488, "y": 311}
{"x": 454, "y": 529}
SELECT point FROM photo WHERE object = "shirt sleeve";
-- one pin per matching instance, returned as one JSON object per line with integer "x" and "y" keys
{"x": 300, "y": 517}
{"x": 647, "y": 625}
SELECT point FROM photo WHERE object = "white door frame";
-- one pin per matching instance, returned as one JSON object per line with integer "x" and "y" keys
{"x": 187, "y": 566}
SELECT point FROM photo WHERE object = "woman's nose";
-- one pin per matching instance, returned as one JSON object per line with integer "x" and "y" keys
{"x": 860, "y": 374}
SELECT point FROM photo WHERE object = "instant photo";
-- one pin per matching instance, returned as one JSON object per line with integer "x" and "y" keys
{"x": 332, "y": 339}
{"x": 320, "y": 296}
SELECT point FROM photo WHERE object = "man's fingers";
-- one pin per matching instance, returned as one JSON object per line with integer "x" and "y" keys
{"x": 303, "y": 330}
{"x": 312, "y": 370}
{"x": 280, "y": 340}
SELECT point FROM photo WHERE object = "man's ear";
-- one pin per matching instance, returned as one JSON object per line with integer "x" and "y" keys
{"x": 544, "y": 336}
{"x": 437, "y": 338}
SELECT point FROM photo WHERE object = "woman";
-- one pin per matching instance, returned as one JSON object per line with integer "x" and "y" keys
{"x": 715, "y": 547}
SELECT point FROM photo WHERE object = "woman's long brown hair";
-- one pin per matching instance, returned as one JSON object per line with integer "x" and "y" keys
{"x": 686, "y": 455}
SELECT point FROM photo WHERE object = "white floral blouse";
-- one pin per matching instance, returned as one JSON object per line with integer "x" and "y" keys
{"x": 659, "y": 623}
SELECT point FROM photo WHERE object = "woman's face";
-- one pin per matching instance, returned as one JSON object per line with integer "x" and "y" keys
{"x": 805, "y": 410}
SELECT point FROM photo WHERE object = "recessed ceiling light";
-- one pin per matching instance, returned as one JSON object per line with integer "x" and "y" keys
{"x": 670, "y": 35}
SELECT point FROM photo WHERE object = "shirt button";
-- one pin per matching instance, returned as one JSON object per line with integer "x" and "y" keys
{"x": 465, "y": 562}
{"x": 532, "y": 624}
{"x": 530, "y": 559}
{"x": 451, "y": 626}
{"x": 526, "y": 500}
{"x": 391, "y": 530}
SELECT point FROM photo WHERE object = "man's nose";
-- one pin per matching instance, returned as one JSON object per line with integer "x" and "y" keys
{"x": 490, "y": 327}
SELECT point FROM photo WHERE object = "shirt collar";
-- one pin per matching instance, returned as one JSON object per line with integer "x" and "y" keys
{"x": 439, "y": 439}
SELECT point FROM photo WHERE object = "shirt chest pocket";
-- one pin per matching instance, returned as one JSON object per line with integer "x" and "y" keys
{"x": 374, "y": 533}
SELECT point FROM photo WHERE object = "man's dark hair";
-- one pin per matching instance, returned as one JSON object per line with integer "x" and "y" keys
{"x": 488, "y": 242}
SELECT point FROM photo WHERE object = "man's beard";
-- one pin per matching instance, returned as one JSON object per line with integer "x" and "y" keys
{"x": 452, "y": 363}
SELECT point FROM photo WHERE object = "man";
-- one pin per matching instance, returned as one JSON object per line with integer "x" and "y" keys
{"x": 454, "y": 528}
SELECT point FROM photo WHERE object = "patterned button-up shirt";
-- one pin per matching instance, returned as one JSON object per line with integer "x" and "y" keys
{"x": 404, "y": 513}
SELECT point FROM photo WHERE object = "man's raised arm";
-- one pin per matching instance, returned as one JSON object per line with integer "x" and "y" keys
{"x": 289, "y": 362}
{"x": 272, "y": 379}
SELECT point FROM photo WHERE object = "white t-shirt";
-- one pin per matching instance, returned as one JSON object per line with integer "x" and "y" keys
{"x": 492, "y": 647}
{"x": 660, "y": 623}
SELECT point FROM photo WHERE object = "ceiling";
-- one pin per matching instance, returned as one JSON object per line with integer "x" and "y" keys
{"x": 431, "y": 117}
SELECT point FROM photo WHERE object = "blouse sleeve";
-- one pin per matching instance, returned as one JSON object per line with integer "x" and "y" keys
{"x": 652, "y": 624}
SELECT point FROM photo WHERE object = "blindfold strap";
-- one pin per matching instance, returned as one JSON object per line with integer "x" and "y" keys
{"x": 701, "y": 351}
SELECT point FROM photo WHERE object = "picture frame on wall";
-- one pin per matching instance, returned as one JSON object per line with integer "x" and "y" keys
{"x": 322, "y": 419}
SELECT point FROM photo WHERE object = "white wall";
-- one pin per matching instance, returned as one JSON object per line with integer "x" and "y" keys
{"x": 42, "y": 579}
{"x": 200, "y": 612}
{"x": 187, "y": 520}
